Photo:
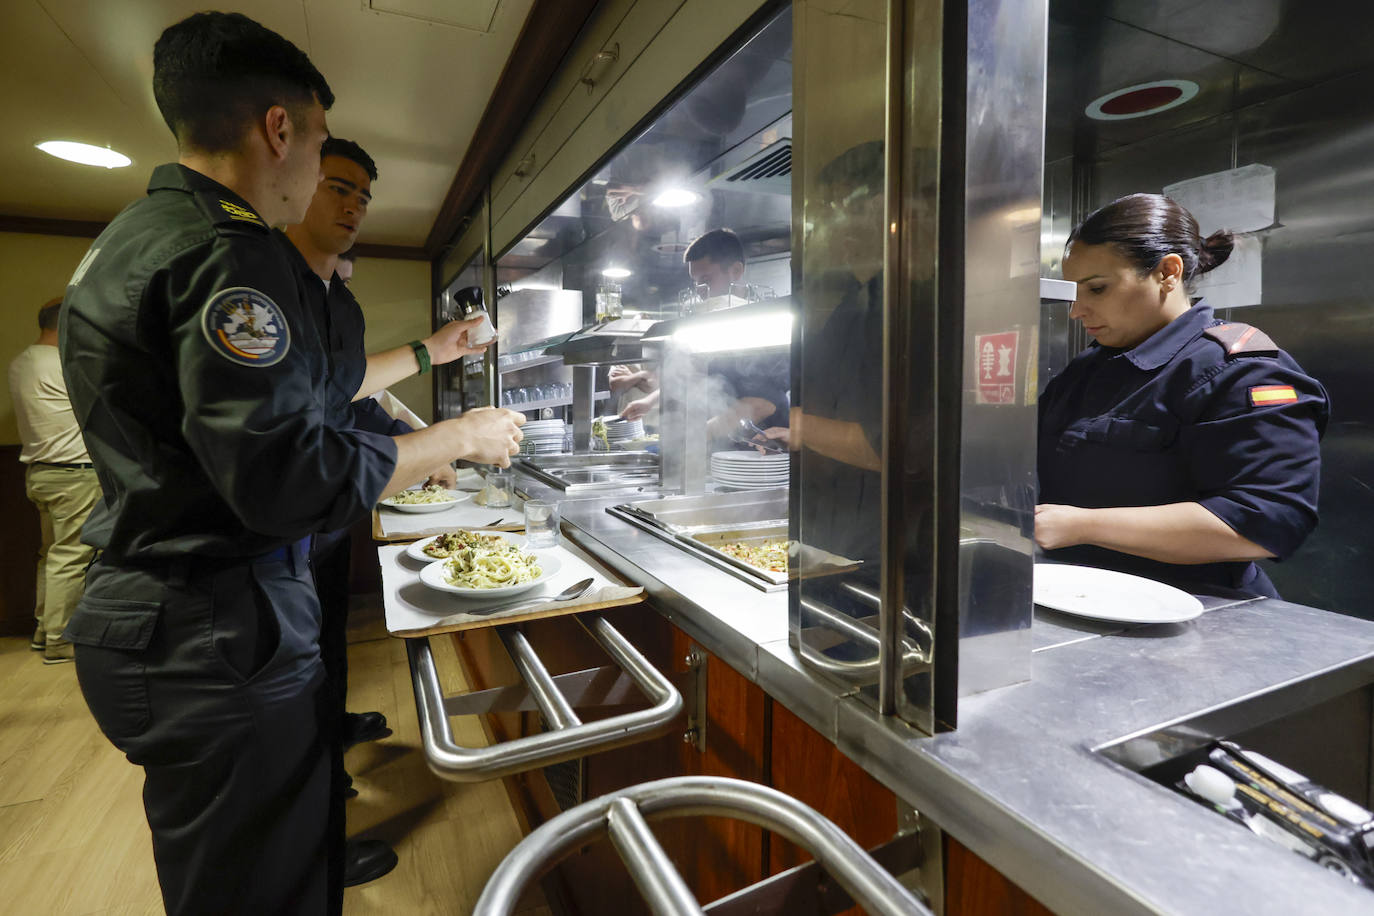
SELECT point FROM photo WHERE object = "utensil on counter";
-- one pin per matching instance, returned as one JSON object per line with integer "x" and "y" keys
{"x": 493, "y": 524}
{"x": 572, "y": 591}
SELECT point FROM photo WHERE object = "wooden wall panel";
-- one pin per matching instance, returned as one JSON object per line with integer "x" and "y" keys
{"x": 810, "y": 769}
{"x": 975, "y": 888}
{"x": 18, "y": 549}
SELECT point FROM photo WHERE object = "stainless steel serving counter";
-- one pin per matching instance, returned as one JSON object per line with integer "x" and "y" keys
{"x": 1018, "y": 783}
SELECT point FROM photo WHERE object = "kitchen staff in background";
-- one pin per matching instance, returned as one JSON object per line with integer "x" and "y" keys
{"x": 198, "y": 378}
{"x": 1177, "y": 446}
{"x": 751, "y": 387}
{"x": 59, "y": 480}
{"x": 314, "y": 246}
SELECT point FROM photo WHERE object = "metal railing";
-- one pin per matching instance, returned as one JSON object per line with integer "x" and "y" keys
{"x": 568, "y": 737}
{"x": 623, "y": 815}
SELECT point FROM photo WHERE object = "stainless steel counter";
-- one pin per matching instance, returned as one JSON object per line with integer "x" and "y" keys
{"x": 1018, "y": 782}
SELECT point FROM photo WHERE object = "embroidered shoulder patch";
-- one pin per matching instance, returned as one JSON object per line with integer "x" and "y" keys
{"x": 242, "y": 213}
{"x": 1268, "y": 395}
{"x": 246, "y": 327}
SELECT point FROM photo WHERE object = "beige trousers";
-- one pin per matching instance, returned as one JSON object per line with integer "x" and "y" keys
{"x": 64, "y": 497}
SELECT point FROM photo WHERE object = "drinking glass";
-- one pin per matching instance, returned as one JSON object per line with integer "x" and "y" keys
{"x": 498, "y": 488}
{"x": 541, "y": 523}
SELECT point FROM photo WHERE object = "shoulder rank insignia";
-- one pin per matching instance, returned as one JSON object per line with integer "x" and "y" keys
{"x": 240, "y": 213}
{"x": 1242, "y": 339}
{"x": 1269, "y": 395}
{"x": 246, "y": 327}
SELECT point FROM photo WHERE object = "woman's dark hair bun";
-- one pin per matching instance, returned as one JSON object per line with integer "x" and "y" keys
{"x": 1145, "y": 228}
{"x": 1216, "y": 248}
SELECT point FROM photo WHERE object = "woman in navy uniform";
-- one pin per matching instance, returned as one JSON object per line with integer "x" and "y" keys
{"x": 1177, "y": 446}
{"x": 199, "y": 382}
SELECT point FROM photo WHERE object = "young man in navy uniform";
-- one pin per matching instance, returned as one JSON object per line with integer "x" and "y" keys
{"x": 313, "y": 247}
{"x": 197, "y": 379}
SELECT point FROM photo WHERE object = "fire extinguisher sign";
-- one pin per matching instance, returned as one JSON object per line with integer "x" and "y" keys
{"x": 995, "y": 359}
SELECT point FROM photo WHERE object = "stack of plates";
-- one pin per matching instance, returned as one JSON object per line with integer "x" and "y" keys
{"x": 749, "y": 470}
{"x": 542, "y": 437}
{"x": 618, "y": 432}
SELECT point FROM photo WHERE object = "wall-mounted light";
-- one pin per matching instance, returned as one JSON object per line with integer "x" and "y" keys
{"x": 616, "y": 273}
{"x": 676, "y": 197}
{"x": 84, "y": 153}
{"x": 1141, "y": 100}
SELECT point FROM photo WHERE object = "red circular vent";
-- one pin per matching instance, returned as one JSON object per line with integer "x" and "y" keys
{"x": 1142, "y": 100}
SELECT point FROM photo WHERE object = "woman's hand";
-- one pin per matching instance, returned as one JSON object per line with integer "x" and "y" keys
{"x": 1059, "y": 526}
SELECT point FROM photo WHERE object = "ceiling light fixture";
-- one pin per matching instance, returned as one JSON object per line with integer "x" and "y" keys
{"x": 84, "y": 153}
{"x": 676, "y": 197}
{"x": 616, "y": 273}
{"x": 1141, "y": 100}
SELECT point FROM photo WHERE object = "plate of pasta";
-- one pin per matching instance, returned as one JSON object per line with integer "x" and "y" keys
{"x": 432, "y": 498}
{"x": 443, "y": 546}
{"x": 493, "y": 569}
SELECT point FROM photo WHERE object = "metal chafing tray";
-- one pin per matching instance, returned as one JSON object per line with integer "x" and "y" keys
{"x": 696, "y": 524}
{"x": 685, "y": 513}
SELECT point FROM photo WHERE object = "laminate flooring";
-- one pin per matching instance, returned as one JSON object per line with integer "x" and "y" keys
{"x": 74, "y": 842}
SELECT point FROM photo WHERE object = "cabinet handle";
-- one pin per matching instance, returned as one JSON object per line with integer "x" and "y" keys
{"x": 599, "y": 65}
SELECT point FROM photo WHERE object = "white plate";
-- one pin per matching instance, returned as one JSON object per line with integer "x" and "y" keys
{"x": 1104, "y": 594}
{"x": 416, "y": 550}
{"x": 458, "y": 496}
{"x": 433, "y": 576}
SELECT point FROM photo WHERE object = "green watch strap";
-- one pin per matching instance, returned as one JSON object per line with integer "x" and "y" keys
{"x": 421, "y": 355}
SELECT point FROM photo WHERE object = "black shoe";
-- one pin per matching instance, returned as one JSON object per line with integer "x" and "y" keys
{"x": 367, "y": 860}
{"x": 363, "y": 726}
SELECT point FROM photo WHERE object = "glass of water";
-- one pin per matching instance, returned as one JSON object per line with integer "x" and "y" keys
{"x": 498, "y": 488}
{"x": 541, "y": 523}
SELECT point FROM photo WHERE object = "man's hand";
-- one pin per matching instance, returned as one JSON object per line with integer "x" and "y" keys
{"x": 451, "y": 341}
{"x": 444, "y": 476}
{"x": 492, "y": 433}
{"x": 636, "y": 409}
{"x": 622, "y": 378}
{"x": 1060, "y": 526}
{"x": 775, "y": 434}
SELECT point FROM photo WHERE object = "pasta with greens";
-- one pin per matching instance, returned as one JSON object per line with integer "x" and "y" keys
{"x": 430, "y": 494}
{"x": 491, "y": 566}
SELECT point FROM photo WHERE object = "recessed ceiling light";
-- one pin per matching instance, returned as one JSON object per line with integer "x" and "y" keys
{"x": 676, "y": 197}
{"x": 616, "y": 273}
{"x": 84, "y": 153}
{"x": 1141, "y": 100}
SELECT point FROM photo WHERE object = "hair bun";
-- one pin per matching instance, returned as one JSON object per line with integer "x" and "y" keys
{"x": 1216, "y": 248}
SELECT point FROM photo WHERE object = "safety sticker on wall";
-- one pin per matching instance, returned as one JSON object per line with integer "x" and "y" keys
{"x": 995, "y": 356}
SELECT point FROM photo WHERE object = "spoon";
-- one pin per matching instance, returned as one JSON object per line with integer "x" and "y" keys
{"x": 572, "y": 591}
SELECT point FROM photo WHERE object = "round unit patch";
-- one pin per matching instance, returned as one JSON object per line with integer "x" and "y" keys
{"x": 246, "y": 327}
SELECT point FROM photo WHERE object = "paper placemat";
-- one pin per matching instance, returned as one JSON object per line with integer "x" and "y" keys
{"x": 413, "y": 609}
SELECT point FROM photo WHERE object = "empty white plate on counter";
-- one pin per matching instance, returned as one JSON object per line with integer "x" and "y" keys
{"x": 1104, "y": 594}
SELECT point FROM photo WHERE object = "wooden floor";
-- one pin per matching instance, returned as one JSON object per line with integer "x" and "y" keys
{"x": 73, "y": 839}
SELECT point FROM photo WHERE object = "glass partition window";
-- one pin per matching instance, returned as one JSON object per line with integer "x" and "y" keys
{"x": 713, "y": 171}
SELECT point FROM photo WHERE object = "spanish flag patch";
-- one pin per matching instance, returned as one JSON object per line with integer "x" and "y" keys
{"x": 1267, "y": 395}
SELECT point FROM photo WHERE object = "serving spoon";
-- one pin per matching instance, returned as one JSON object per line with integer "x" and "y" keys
{"x": 572, "y": 591}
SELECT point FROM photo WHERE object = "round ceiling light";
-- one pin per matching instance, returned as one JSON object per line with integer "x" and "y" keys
{"x": 1141, "y": 100}
{"x": 676, "y": 197}
{"x": 616, "y": 273}
{"x": 84, "y": 153}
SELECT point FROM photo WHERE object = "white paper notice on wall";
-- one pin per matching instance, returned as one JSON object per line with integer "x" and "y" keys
{"x": 1237, "y": 282}
{"x": 1241, "y": 200}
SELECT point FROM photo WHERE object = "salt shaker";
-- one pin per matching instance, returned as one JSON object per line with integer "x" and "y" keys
{"x": 470, "y": 298}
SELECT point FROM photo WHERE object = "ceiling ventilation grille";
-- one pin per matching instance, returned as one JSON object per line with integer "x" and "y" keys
{"x": 768, "y": 171}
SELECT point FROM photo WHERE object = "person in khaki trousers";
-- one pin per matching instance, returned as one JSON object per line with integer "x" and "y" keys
{"x": 59, "y": 480}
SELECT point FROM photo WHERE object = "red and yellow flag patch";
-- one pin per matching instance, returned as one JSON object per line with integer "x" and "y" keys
{"x": 1268, "y": 395}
